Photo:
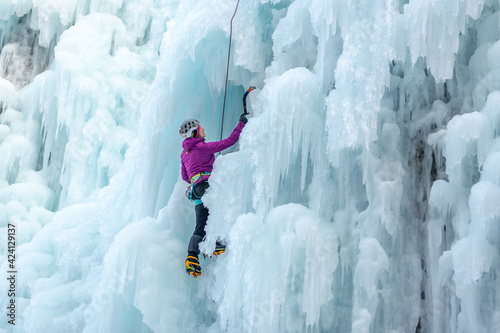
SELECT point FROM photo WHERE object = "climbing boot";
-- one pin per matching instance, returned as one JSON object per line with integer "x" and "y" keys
{"x": 193, "y": 266}
{"x": 219, "y": 248}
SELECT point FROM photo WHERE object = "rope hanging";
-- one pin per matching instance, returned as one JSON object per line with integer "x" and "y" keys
{"x": 227, "y": 70}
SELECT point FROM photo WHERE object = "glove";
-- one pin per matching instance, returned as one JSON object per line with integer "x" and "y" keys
{"x": 243, "y": 118}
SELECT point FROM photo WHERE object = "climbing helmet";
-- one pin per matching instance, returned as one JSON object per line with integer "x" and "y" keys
{"x": 188, "y": 127}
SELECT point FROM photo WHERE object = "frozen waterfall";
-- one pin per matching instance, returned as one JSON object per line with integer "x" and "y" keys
{"x": 362, "y": 196}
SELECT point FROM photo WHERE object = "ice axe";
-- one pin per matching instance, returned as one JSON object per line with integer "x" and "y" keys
{"x": 245, "y": 99}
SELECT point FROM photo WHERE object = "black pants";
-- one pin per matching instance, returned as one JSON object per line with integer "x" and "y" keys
{"x": 201, "y": 220}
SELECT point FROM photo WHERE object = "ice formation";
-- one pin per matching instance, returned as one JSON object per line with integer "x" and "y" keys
{"x": 363, "y": 195}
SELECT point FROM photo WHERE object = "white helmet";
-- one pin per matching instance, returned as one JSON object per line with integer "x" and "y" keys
{"x": 187, "y": 128}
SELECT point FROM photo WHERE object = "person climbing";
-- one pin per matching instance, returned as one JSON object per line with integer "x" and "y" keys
{"x": 197, "y": 160}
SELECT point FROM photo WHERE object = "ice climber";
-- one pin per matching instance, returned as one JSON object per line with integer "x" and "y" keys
{"x": 197, "y": 160}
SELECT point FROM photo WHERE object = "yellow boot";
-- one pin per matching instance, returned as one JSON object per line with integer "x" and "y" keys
{"x": 193, "y": 266}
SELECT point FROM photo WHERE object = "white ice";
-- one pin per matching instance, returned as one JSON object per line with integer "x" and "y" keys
{"x": 362, "y": 196}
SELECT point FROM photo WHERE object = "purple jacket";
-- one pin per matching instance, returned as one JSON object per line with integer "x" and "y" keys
{"x": 198, "y": 155}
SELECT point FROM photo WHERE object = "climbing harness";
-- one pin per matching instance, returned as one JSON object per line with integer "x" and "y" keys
{"x": 190, "y": 189}
{"x": 227, "y": 69}
{"x": 198, "y": 176}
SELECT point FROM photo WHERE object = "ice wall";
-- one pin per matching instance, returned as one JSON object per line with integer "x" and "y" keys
{"x": 362, "y": 196}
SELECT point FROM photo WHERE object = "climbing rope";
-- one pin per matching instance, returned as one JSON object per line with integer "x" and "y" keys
{"x": 227, "y": 70}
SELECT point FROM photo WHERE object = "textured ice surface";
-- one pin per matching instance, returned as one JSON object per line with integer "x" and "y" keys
{"x": 363, "y": 195}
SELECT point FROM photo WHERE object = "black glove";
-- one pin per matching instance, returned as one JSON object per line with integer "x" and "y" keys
{"x": 243, "y": 118}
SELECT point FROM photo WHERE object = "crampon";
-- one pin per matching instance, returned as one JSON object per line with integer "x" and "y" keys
{"x": 193, "y": 266}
